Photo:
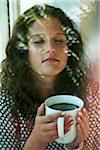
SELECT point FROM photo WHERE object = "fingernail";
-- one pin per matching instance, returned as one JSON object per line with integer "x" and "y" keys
{"x": 70, "y": 119}
{"x": 59, "y": 113}
{"x": 80, "y": 114}
{"x": 79, "y": 119}
{"x": 63, "y": 113}
{"x": 42, "y": 105}
{"x": 84, "y": 109}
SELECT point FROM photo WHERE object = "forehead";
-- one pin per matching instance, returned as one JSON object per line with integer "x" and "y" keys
{"x": 48, "y": 25}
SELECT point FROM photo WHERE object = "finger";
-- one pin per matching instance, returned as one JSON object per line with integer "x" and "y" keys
{"x": 67, "y": 119}
{"x": 52, "y": 135}
{"x": 50, "y": 126}
{"x": 51, "y": 118}
{"x": 48, "y": 118}
{"x": 82, "y": 127}
{"x": 49, "y": 136}
{"x": 83, "y": 115}
{"x": 79, "y": 133}
{"x": 85, "y": 112}
{"x": 40, "y": 110}
{"x": 68, "y": 125}
{"x": 66, "y": 129}
{"x": 53, "y": 125}
{"x": 86, "y": 118}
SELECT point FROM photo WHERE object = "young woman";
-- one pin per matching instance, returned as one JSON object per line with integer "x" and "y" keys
{"x": 44, "y": 58}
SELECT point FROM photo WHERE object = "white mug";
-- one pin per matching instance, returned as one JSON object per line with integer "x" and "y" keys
{"x": 68, "y": 99}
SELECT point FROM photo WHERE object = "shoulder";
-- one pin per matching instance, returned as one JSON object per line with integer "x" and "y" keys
{"x": 6, "y": 100}
{"x": 7, "y": 129}
{"x": 93, "y": 98}
{"x": 93, "y": 90}
{"x": 93, "y": 86}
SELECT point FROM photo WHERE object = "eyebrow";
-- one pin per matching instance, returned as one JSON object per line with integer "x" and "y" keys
{"x": 40, "y": 34}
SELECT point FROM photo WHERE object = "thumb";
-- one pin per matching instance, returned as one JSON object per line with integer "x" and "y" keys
{"x": 40, "y": 110}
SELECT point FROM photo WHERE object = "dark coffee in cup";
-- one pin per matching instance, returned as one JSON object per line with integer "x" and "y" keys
{"x": 64, "y": 106}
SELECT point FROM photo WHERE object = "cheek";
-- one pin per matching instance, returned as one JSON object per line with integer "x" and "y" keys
{"x": 64, "y": 53}
{"x": 65, "y": 58}
{"x": 35, "y": 59}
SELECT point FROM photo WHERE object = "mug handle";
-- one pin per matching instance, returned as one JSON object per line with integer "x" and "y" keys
{"x": 60, "y": 126}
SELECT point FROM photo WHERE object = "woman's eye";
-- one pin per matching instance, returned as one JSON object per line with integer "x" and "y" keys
{"x": 38, "y": 42}
{"x": 59, "y": 41}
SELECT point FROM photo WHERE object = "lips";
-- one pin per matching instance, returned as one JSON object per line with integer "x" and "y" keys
{"x": 51, "y": 59}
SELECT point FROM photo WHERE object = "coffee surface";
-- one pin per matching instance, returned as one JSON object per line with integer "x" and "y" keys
{"x": 64, "y": 106}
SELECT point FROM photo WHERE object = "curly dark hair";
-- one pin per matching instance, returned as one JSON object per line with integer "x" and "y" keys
{"x": 17, "y": 74}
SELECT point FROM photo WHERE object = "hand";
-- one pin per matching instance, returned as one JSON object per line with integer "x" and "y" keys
{"x": 45, "y": 129}
{"x": 82, "y": 128}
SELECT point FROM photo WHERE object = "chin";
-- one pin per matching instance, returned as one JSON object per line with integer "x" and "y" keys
{"x": 52, "y": 73}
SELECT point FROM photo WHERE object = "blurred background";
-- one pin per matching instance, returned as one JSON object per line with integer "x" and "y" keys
{"x": 85, "y": 13}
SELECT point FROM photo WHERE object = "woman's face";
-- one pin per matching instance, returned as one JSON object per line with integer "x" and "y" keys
{"x": 48, "y": 51}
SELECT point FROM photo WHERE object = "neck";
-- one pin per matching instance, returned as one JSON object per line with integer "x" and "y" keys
{"x": 44, "y": 85}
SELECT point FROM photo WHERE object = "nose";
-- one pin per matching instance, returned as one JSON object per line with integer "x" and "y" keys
{"x": 50, "y": 48}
